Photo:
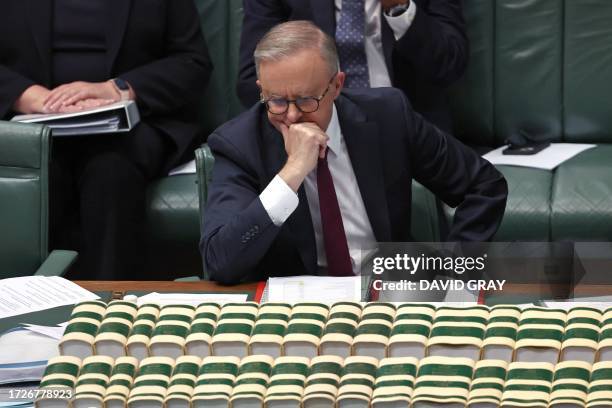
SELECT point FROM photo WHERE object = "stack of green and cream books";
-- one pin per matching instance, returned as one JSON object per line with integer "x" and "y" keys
{"x": 326, "y": 381}
{"x": 343, "y": 355}
{"x": 343, "y": 329}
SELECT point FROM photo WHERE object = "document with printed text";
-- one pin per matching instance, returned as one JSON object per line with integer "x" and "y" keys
{"x": 27, "y": 294}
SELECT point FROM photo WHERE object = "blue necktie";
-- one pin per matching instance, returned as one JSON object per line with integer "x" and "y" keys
{"x": 350, "y": 40}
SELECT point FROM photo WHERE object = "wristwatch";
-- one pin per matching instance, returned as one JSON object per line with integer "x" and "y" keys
{"x": 123, "y": 88}
{"x": 397, "y": 10}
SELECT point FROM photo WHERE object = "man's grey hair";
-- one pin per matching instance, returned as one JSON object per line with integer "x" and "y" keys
{"x": 288, "y": 39}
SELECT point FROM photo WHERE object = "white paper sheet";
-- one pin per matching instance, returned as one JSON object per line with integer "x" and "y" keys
{"x": 187, "y": 168}
{"x": 193, "y": 299}
{"x": 324, "y": 289}
{"x": 33, "y": 293}
{"x": 24, "y": 355}
{"x": 547, "y": 159}
{"x": 55, "y": 332}
{"x": 599, "y": 302}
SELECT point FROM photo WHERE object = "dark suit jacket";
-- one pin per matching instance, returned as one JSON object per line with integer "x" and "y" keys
{"x": 388, "y": 144}
{"x": 430, "y": 56}
{"x": 155, "y": 45}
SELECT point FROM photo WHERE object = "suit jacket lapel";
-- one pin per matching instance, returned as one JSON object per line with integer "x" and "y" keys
{"x": 299, "y": 223}
{"x": 323, "y": 14}
{"x": 39, "y": 14}
{"x": 363, "y": 145}
{"x": 118, "y": 12}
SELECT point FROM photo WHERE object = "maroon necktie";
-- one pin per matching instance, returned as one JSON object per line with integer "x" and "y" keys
{"x": 334, "y": 238}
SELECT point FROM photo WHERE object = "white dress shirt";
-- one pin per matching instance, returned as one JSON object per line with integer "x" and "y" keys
{"x": 279, "y": 200}
{"x": 377, "y": 68}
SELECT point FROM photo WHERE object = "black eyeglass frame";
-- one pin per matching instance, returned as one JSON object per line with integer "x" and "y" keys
{"x": 295, "y": 101}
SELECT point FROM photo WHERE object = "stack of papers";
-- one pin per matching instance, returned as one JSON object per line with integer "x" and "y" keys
{"x": 324, "y": 289}
{"x": 24, "y": 354}
{"x": 27, "y": 294}
{"x": 24, "y": 350}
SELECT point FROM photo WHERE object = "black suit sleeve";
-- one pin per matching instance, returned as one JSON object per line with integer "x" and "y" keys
{"x": 236, "y": 231}
{"x": 12, "y": 85}
{"x": 459, "y": 176}
{"x": 436, "y": 43}
{"x": 177, "y": 79}
{"x": 259, "y": 17}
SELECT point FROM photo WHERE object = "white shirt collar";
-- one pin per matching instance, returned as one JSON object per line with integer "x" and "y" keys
{"x": 334, "y": 132}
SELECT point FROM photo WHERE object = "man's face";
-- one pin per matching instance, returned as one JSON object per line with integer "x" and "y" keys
{"x": 304, "y": 74}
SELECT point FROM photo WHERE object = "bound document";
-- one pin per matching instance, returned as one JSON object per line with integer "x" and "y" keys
{"x": 117, "y": 117}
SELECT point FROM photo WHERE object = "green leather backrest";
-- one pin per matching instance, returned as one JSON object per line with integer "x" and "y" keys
{"x": 221, "y": 25}
{"x": 24, "y": 164}
{"x": 540, "y": 67}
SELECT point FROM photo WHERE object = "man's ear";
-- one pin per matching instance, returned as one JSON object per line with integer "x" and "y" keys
{"x": 339, "y": 83}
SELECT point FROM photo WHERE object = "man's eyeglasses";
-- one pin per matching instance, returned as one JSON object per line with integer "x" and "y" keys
{"x": 306, "y": 104}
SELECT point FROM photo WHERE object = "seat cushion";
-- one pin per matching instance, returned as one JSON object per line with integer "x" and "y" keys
{"x": 582, "y": 197}
{"x": 172, "y": 209}
{"x": 527, "y": 214}
{"x": 173, "y": 228}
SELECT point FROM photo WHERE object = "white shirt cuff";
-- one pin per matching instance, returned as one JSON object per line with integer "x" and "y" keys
{"x": 402, "y": 23}
{"x": 279, "y": 200}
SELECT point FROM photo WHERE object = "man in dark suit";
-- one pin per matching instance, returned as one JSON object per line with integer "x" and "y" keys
{"x": 418, "y": 46}
{"x": 314, "y": 170}
{"x": 65, "y": 56}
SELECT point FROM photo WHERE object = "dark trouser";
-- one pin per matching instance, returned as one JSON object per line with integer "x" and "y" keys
{"x": 97, "y": 199}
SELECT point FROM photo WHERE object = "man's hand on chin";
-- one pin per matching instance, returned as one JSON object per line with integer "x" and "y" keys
{"x": 305, "y": 143}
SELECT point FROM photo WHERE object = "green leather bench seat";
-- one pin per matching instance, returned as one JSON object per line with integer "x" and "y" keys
{"x": 173, "y": 228}
{"x": 581, "y": 199}
{"x": 173, "y": 205}
{"x": 528, "y": 208}
{"x": 543, "y": 68}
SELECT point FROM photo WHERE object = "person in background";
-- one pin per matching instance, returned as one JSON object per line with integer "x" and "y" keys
{"x": 70, "y": 55}
{"x": 314, "y": 173}
{"x": 418, "y": 46}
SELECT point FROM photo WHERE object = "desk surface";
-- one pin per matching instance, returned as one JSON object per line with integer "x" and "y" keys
{"x": 119, "y": 288}
{"x": 166, "y": 286}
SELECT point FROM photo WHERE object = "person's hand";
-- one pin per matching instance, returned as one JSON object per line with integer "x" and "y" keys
{"x": 305, "y": 143}
{"x": 84, "y": 105}
{"x": 31, "y": 100}
{"x": 388, "y": 4}
{"x": 74, "y": 92}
